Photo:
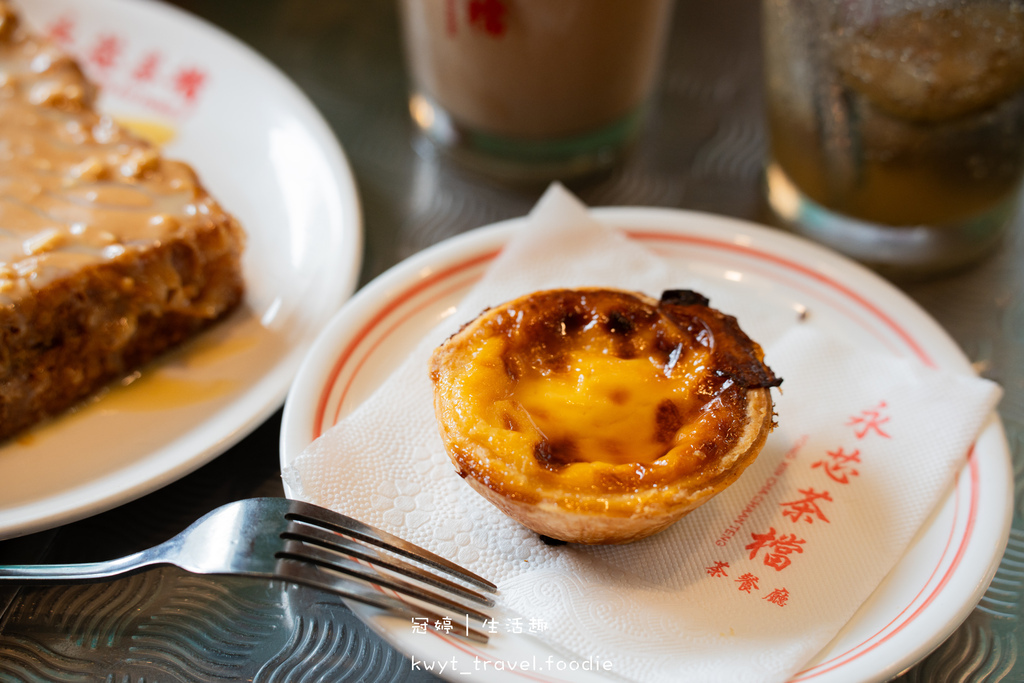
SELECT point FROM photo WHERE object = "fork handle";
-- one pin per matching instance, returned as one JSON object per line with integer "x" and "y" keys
{"x": 74, "y": 573}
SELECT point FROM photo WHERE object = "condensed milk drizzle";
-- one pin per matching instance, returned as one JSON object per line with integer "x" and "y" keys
{"x": 75, "y": 187}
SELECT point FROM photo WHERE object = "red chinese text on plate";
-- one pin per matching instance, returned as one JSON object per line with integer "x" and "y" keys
{"x": 132, "y": 68}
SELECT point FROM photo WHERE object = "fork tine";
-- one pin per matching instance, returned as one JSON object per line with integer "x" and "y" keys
{"x": 327, "y": 559}
{"x": 333, "y": 541}
{"x": 318, "y": 516}
{"x": 310, "y": 575}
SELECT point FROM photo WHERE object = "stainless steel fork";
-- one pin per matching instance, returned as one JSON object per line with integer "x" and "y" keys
{"x": 294, "y": 541}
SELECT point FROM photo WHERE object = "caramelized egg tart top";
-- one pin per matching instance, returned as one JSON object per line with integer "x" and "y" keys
{"x": 601, "y": 415}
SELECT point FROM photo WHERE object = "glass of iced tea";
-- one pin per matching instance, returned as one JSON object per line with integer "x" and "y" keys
{"x": 897, "y": 126}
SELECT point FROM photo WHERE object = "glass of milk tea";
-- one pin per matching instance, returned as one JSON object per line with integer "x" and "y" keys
{"x": 533, "y": 90}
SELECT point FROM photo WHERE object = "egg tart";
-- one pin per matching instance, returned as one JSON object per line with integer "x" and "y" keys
{"x": 601, "y": 415}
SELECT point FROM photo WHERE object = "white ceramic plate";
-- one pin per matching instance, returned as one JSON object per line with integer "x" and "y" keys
{"x": 930, "y": 592}
{"x": 267, "y": 155}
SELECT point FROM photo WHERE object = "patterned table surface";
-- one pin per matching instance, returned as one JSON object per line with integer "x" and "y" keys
{"x": 701, "y": 149}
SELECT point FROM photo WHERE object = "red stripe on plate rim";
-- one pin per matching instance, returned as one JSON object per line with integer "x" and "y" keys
{"x": 379, "y": 316}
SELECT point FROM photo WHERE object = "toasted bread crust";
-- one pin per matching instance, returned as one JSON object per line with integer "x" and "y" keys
{"x": 83, "y": 331}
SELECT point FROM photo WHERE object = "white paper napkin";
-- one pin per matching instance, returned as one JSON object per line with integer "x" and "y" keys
{"x": 748, "y": 587}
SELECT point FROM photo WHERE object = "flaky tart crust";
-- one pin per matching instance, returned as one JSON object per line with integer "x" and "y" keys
{"x": 599, "y": 415}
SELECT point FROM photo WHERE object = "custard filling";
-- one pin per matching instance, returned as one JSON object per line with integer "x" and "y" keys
{"x": 607, "y": 409}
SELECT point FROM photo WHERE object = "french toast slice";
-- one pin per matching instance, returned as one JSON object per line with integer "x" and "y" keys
{"x": 110, "y": 254}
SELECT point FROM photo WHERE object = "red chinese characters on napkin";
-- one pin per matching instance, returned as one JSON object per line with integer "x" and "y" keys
{"x": 776, "y": 548}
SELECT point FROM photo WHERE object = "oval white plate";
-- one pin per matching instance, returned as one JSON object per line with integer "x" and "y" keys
{"x": 932, "y": 589}
{"x": 264, "y": 151}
